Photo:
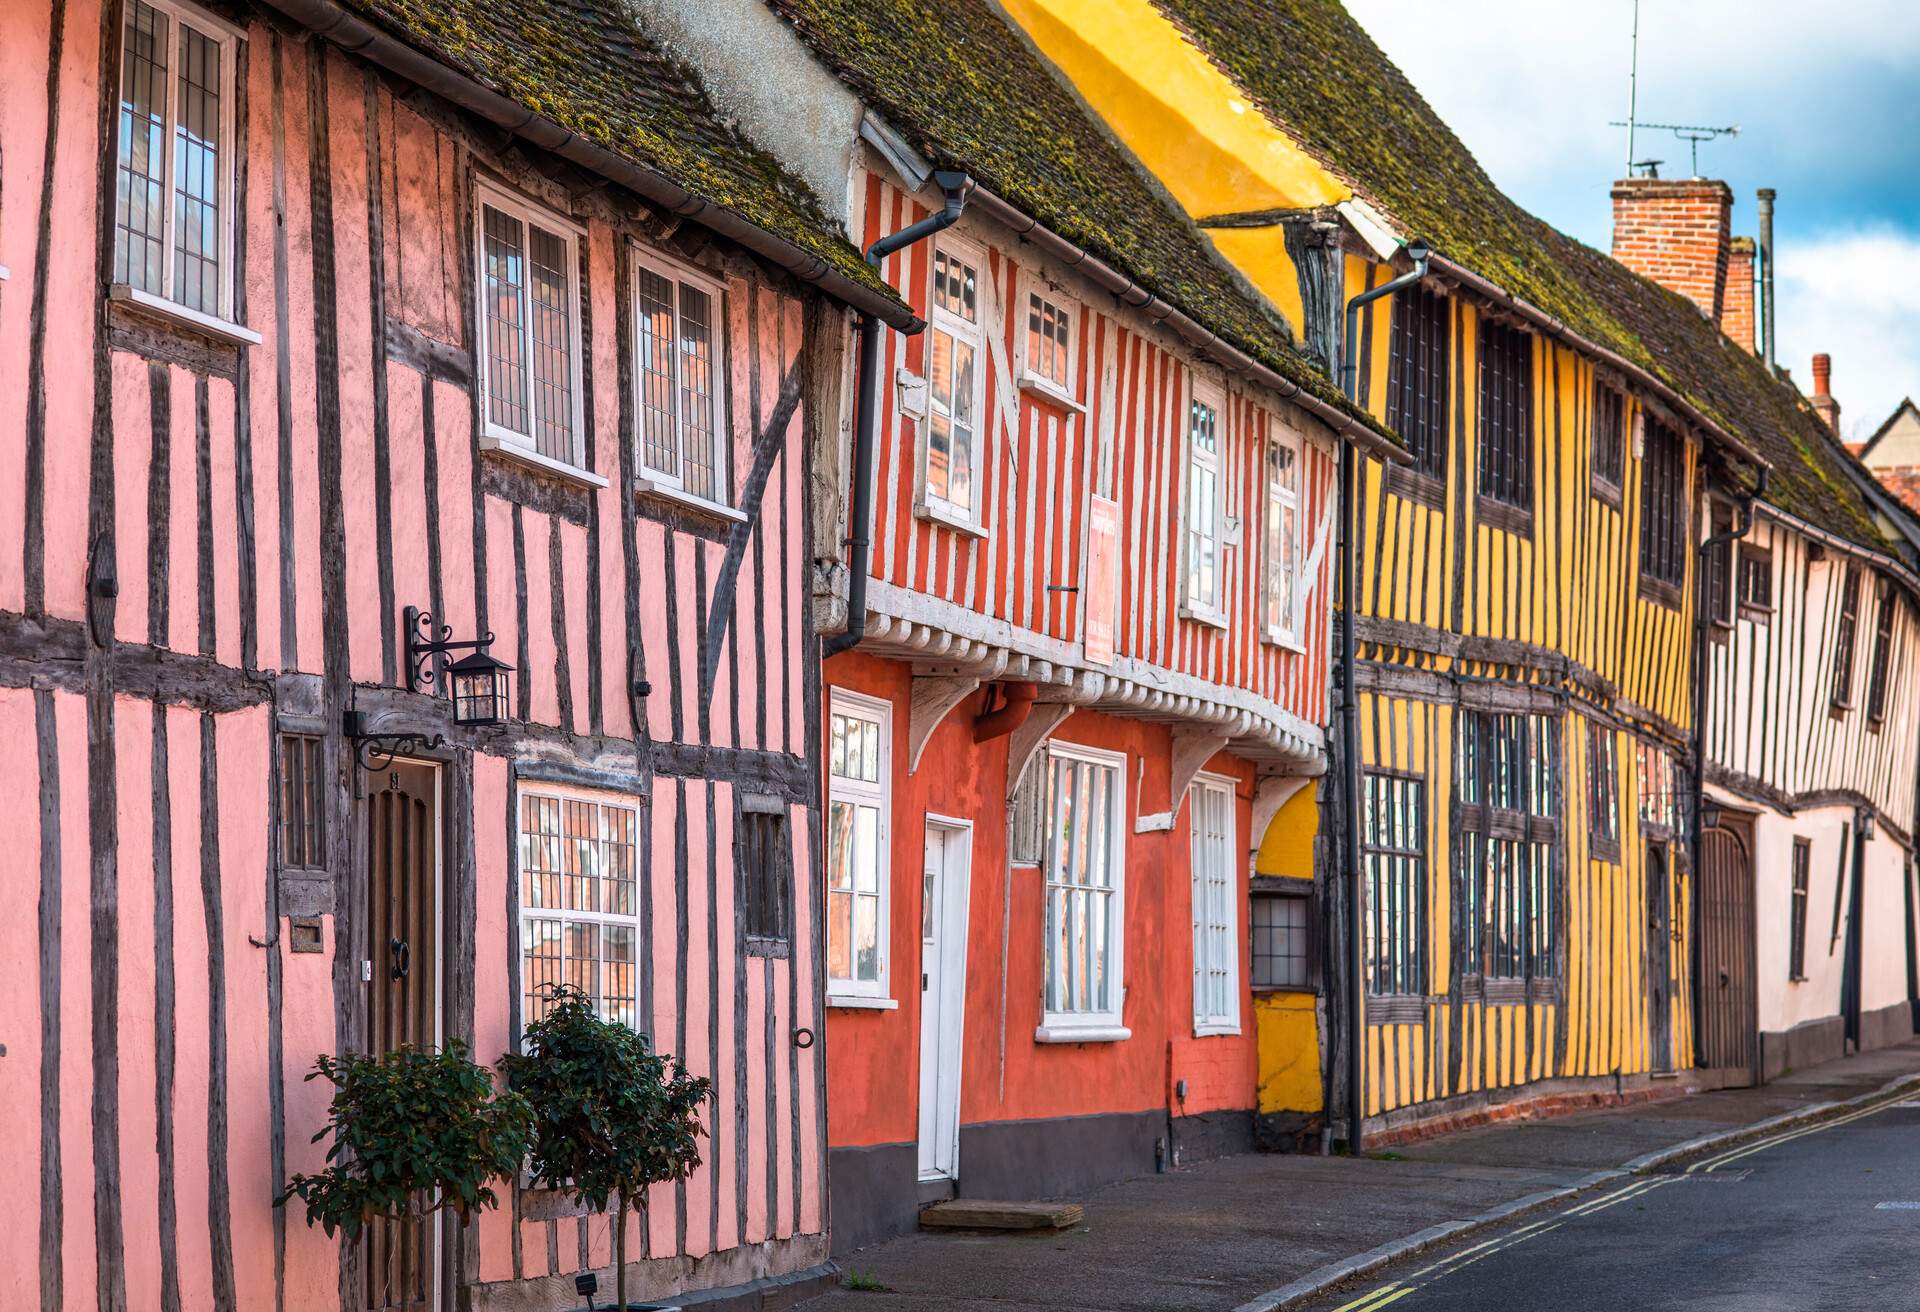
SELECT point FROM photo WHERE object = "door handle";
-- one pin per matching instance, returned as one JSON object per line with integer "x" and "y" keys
{"x": 402, "y": 955}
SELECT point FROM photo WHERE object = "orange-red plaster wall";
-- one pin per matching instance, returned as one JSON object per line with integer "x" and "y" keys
{"x": 873, "y": 1055}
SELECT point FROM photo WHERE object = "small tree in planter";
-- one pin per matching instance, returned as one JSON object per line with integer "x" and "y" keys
{"x": 611, "y": 1116}
{"x": 408, "y": 1125}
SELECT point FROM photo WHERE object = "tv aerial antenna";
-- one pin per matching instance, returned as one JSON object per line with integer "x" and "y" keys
{"x": 1691, "y": 133}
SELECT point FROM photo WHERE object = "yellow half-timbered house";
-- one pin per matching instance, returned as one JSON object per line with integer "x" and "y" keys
{"x": 1523, "y": 593}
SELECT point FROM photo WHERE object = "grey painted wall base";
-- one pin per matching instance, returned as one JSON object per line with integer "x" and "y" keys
{"x": 1887, "y": 1026}
{"x": 1809, "y": 1043}
{"x": 1288, "y": 1132}
{"x": 874, "y": 1191}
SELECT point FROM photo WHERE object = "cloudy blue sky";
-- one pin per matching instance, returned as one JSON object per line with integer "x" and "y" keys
{"x": 1827, "y": 96}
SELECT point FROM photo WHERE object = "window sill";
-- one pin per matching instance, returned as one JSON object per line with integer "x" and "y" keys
{"x": 1396, "y": 1009}
{"x": 1294, "y": 645}
{"x": 852, "y": 1002}
{"x": 207, "y": 325}
{"x": 1660, "y": 592}
{"x": 1417, "y": 485}
{"x": 1213, "y": 619}
{"x": 1517, "y": 520}
{"x": 506, "y": 448}
{"x": 680, "y": 496}
{"x": 1606, "y": 492}
{"x": 1215, "y": 1031}
{"x": 1073, "y": 1032}
{"x": 1287, "y": 990}
{"x": 936, "y": 513}
{"x": 1046, "y": 391}
{"x": 1756, "y": 614}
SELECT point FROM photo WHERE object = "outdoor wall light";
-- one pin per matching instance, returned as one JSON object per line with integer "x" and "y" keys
{"x": 478, "y": 682}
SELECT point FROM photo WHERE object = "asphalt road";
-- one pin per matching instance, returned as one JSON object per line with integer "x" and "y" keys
{"x": 1820, "y": 1218}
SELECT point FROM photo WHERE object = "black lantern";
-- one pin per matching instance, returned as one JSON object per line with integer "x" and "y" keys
{"x": 477, "y": 682}
{"x": 479, "y": 686}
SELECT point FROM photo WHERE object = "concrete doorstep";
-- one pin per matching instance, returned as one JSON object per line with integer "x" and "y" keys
{"x": 1266, "y": 1232}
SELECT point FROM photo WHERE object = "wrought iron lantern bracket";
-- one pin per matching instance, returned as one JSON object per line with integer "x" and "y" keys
{"x": 377, "y": 751}
{"x": 429, "y": 644}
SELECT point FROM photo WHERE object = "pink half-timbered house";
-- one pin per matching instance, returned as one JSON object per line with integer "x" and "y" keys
{"x": 316, "y": 313}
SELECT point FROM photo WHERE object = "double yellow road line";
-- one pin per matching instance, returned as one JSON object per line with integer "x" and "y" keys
{"x": 1383, "y": 1295}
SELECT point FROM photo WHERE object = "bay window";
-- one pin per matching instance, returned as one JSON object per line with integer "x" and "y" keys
{"x": 1509, "y": 864}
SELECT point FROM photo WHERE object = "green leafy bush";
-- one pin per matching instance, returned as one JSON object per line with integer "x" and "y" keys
{"x": 413, "y": 1130}
{"x": 611, "y": 1116}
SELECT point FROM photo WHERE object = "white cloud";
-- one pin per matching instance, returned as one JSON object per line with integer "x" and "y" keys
{"x": 1849, "y": 294}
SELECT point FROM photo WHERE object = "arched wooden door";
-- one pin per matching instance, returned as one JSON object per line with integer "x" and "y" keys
{"x": 403, "y": 995}
{"x": 1727, "y": 1006}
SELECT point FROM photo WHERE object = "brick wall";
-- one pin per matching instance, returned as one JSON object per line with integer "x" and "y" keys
{"x": 1736, "y": 311}
{"x": 1675, "y": 231}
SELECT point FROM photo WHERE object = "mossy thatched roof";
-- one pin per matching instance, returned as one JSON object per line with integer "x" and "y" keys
{"x": 1319, "y": 77}
{"x": 966, "y": 89}
{"x": 588, "y": 66}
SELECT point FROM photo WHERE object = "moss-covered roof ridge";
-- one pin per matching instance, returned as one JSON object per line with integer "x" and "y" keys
{"x": 966, "y": 89}
{"x": 588, "y": 66}
{"x": 1319, "y": 77}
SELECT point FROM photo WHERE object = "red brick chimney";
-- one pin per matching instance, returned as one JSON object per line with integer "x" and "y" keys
{"x": 1675, "y": 231}
{"x": 1736, "y": 310}
{"x": 1823, "y": 403}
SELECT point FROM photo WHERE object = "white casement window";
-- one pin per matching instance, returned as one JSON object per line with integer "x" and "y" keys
{"x": 174, "y": 168}
{"x": 1282, "y": 543}
{"x": 1216, "y": 918}
{"x": 956, "y": 376}
{"x": 1046, "y": 342}
{"x": 579, "y": 901}
{"x": 680, "y": 375}
{"x": 1205, "y": 507}
{"x": 529, "y": 316}
{"x": 1085, "y": 865}
{"x": 858, "y": 805}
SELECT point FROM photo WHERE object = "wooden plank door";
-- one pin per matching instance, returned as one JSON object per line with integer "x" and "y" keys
{"x": 1729, "y": 1010}
{"x": 403, "y": 995}
{"x": 1659, "y": 959}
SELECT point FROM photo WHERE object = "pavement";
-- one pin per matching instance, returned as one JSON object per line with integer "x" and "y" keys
{"x": 1261, "y": 1232}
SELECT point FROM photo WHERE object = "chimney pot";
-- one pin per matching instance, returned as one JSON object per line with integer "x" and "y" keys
{"x": 1822, "y": 374}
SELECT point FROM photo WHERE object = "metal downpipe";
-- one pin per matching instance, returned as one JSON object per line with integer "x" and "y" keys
{"x": 955, "y": 186}
{"x": 1350, "y": 707}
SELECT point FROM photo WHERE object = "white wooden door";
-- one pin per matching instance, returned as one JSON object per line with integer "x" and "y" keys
{"x": 943, "y": 988}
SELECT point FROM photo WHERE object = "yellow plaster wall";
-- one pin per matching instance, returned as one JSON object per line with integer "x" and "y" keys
{"x": 1179, "y": 114}
{"x": 1289, "y": 1052}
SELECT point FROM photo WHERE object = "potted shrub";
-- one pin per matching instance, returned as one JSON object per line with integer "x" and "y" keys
{"x": 611, "y": 1116}
{"x": 414, "y": 1131}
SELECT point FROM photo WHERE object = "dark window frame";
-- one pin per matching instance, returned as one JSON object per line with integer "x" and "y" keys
{"x": 1716, "y": 578}
{"x": 1266, "y": 892}
{"x": 1395, "y": 939}
{"x": 763, "y": 876}
{"x": 1504, "y": 420}
{"x": 303, "y": 802}
{"x": 1845, "y": 639}
{"x": 1665, "y": 513}
{"x": 1603, "y": 792}
{"x": 1609, "y": 442}
{"x": 1880, "y": 662}
{"x": 1509, "y": 813}
{"x": 1753, "y": 583}
{"x": 1420, "y": 344}
{"x": 1797, "y": 912}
